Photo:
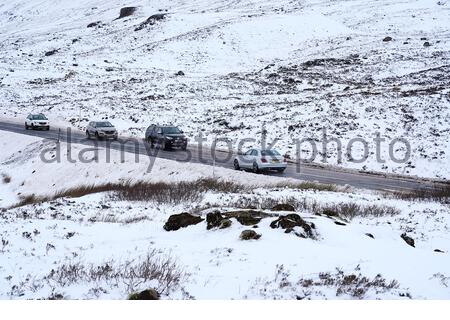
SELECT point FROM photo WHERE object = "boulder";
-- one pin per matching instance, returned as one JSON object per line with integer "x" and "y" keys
{"x": 51, "y": 52}
{"x": 94, "y": 24}
{"x": 426, "y": 44}
{"x": 247, "y": 217}
{"x": 290, "y": 221}
{"x": 150, "y": 294}
{"x": 387, "y": 39}
{"x": 126, "y": 12}
{"x": 181, "y": 220}
{"x": 216, "y": 220}
{"x": 408, "y": 239}
{"x": 283, "y": 207}
{"x": 179, "y": 73}
{"x": 249, "y": 235}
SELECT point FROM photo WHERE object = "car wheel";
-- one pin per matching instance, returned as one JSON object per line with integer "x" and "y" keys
{"x": 26, "y": 126}
{"x": 163, "y": 145}
{"x": 236, "y": 165}
{"x": 184, "y": 147}
{"x": 48, "y": 128}
{"x": 32, "y": 126}
{"x": 152, "y": 144}
{"x": 88, "y": 135}
{"x": 255, "y": 168}
{"x": 97, "y": 136}
{"x": 281, "y": 170}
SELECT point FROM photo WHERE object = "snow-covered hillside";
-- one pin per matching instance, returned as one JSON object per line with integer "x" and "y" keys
{"x": 296, "y": 65}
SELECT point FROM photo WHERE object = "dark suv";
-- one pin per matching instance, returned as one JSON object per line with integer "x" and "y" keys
{"x": 166, "y": 137}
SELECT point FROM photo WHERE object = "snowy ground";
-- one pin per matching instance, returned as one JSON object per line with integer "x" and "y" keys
{"x": 46, "y": 246}
{"x": 296, "y": 65}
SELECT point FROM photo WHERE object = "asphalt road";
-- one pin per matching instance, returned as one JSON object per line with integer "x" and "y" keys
{"x": 223, "y": 159}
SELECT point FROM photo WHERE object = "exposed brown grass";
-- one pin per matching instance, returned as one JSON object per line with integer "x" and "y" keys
{"x": 306, "y": 185}
{"x": 133, "y": 274}
{"x": 162, "y": 192}
{"x": 346, "y": 210}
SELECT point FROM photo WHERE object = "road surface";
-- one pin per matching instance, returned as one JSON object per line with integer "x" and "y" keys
{"x": 223, "y": 159}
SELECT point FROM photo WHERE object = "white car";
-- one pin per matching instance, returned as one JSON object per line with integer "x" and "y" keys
{"x": 260, "y": 160}
{"x": 37, "y": 121}
{"x": 101, "y": 130}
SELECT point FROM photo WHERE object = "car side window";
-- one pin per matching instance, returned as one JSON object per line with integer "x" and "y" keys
{"x": 254, "y": 153}
{"x": 159, "y": 130}
{"x": 249, "y": 152}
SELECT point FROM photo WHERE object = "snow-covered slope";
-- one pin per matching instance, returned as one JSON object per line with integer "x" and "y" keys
{"x": 296, "y": 65}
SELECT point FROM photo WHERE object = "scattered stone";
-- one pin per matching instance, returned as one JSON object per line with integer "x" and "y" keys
{"x": 408, "y": 239}
{"x": 438, "y": 250}
{"x": 290, "y": 221}
{"x": 181, "y": 220}
{"x": 370, "y": 235}
{"x": 423, "y": 38}
{"x": 150, "y": 294}
{"x": 109, "y": 69}
{"x": 339, "y": 223}
{"x": 249, "y": 235}
{"x": 94, "y": 24}
{"x": 51, "y": 52}
{"x": 387, "y": 39}
{"x": 283, "y": 207}
{"x": 179, "y": 73}
{"x": 126, "y": 12}
{"x": 426, "y": 44}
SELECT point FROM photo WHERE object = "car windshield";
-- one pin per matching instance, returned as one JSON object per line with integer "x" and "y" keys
{"x": 39, "y": 117}
{"x": 171, "y": 130}
{"x": 269, "y": 153}
{"x": 103, "y": 124}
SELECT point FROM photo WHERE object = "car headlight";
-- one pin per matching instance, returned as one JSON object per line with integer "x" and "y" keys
{"x": 169, "y": 138}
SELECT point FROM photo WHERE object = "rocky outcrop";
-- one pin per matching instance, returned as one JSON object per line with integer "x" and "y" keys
{"x": 181, "y": 220}
{"x": 291, "y": 221}
{"x": 247, "y": 217}
{"x": 151, "y": 21}
{"x": 216, "y": 220}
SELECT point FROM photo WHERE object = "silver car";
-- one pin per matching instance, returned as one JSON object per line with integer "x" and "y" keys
{"x": 101, "y": 130}
{"x": 260, "y": 160}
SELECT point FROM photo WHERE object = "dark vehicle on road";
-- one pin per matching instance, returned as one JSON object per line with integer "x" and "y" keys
{"x": 101, "y": 130}
{"x": 166, "y": 137}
